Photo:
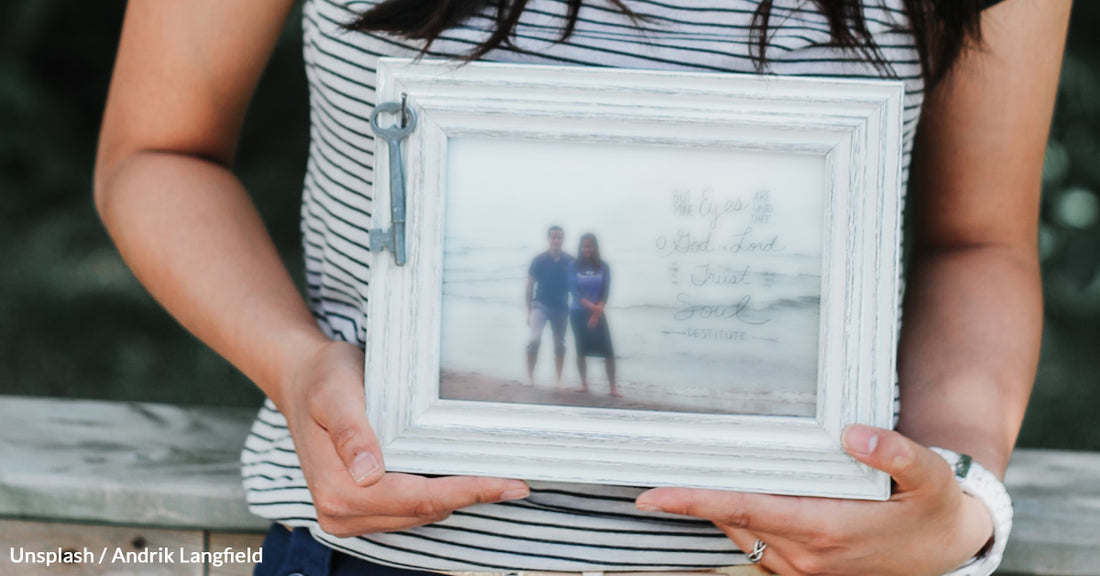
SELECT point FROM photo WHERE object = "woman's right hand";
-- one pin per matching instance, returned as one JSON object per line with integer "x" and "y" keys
{"x": 323, "y": 401}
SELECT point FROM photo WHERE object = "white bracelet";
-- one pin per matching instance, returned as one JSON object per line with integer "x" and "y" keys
{"x": 986, "y": 487}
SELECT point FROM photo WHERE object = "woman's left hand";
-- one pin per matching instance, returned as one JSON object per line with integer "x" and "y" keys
{"x": 927, "y": 527}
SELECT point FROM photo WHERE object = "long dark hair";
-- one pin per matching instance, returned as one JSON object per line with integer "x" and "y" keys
{"x": 942, "y": 29}
{"x": 596, "y": 262}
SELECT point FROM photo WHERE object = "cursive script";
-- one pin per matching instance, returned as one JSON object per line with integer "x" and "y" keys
{"x": 690, "y": 310}
{"x": 712, "y": 274}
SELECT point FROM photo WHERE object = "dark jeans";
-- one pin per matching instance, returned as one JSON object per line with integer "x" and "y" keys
{"x": 296, "y": 553}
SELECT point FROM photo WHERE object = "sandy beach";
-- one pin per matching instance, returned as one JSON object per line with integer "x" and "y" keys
{"x": 460, "y": 385}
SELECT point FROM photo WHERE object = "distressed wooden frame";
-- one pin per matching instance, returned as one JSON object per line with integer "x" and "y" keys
{"x": 855, "y": 125}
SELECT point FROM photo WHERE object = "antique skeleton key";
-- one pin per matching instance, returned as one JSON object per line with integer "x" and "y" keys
{"x": 393, "y": 237}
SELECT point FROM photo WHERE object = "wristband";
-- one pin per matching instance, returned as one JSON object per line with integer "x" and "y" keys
{"x": 986, "y": 487}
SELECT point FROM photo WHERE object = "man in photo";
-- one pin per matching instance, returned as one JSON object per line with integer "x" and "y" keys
{"x": 547, "y": 297}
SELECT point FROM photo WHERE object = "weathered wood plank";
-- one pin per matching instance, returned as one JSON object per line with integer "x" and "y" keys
{"x": 123, "y": 463}
{"x": 107, "y": 546}
{"x": 1056, "y": 495}
{"x": 155, "y": 465}
{"x": 238, "y": 542}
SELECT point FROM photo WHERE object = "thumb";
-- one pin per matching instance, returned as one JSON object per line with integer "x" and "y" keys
{"x": 908, "y": 463}
{"x": 355, "y": 443}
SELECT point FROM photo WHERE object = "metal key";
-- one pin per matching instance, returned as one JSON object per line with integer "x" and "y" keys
{"x": 394, "y": 236}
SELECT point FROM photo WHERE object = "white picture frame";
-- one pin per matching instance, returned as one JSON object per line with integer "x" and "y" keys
{"x": 852, "y": 127}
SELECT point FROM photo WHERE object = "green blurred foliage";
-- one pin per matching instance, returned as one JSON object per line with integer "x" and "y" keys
{"x": 1063, "y": 407}
{"x": 74, "y": 322}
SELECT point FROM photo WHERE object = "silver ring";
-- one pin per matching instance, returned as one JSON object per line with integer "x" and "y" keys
{"x": 757, "y": 551}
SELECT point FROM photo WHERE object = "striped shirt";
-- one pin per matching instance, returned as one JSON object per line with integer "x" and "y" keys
{"x": 560, "y": 527}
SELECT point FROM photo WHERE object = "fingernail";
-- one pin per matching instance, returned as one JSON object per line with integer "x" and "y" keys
{"x": 647, "y": 507}
{"x": 515, "y": 493}
{"x": 363, "y": 466}
{"x": 861, "y": 440}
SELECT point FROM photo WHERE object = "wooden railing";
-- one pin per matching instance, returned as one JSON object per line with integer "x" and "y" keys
{"x": 126, "y": 477}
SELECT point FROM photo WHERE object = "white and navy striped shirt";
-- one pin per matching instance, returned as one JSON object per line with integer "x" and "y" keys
{"x": 560, "y": 526}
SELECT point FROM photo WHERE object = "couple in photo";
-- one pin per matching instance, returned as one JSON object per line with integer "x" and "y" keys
{"x": 561, "y": 289}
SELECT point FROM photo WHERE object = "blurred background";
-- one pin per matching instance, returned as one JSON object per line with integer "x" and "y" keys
{"x": 75, "y": 323}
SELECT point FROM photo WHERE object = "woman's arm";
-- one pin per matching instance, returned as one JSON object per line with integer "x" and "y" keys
{"x": 187, "y": 228}
{"x": 596, "y": 308}
{"x": 973, "y": 310}
{"x": 163, "y": 186}
{"x": 605, "y": 289}
{"x": 970, "y": 341}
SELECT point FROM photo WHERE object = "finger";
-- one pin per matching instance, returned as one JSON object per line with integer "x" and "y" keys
{"x": 334, "y": 493}
{"x": 785, "y": 515}
{"x": 410, "y": 495}
{"x": 345, "y": 509}
{"x": 908, "y": 463}
{"x": 339, "y": 407}
{"x": 770, "y": 563}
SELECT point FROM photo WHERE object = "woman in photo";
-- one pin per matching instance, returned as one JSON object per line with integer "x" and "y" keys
{"x": 589, "y": 285}
{"x": 981, "y": 78}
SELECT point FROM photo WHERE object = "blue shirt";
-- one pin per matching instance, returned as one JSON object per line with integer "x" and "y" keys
{"x": 592, "y": 284}
{"x": 551, "y": 285}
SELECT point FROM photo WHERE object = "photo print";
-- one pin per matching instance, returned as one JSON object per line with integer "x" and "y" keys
{"x": 627, "y": 275}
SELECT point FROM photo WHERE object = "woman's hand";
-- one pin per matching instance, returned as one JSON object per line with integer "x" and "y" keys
{"x": 596, "y": 313}
{"x": 928, "y": 527}
{"x": 342, "y": 461}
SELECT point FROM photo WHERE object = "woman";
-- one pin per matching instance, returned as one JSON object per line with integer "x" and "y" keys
{"x": 976, "y": 121}
{"x": 589, "y": 284}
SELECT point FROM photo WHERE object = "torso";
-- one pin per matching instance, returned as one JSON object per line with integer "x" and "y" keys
{"x": 589, "y": 284}
{"x": 560, "y": 526}
{"x": 551, "y": 284}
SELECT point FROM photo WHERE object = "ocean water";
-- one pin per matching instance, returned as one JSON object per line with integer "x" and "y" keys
{"x": 715, "y": 267}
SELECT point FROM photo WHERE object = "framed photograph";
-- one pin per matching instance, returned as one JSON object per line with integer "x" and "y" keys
{"x": 643, "y": 278}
